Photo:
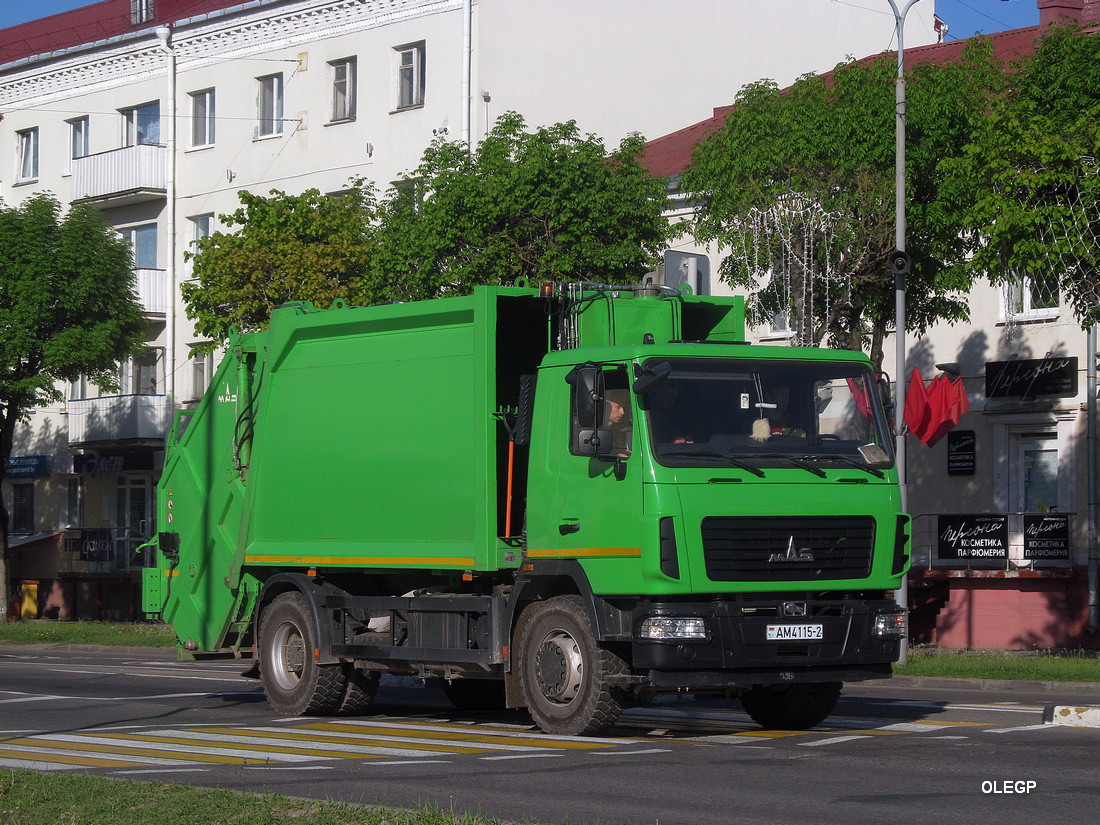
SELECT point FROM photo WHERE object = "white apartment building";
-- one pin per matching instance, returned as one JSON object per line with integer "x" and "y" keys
{"x": 159, "y": 111}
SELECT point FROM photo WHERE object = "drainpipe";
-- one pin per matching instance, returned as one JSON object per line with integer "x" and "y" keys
{"x": 165, "y": 35}
{"x": 467, "y": 60}
{"x": 1091, "y": 444}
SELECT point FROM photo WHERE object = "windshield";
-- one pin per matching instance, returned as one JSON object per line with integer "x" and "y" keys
{"x": 766, "y": 414}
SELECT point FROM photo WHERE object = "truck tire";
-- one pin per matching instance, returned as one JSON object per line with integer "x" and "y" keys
{"x": 791, "y": 707}
{"x": 563, "y": 673}
{"x": 475, "y": 694}
{"x": 359, "y": 691}
{"x": 294, "y": 682}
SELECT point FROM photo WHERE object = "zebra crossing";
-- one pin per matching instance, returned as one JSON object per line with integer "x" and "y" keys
{"x": 313, "y": 744}
{"x": 273, "y": 745}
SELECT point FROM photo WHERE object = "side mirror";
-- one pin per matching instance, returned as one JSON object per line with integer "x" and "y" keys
{"x": 884, "y": 394}
{"x": 589, "y": 411}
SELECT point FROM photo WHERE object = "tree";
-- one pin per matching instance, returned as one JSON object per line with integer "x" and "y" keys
{"x": 543, "y": 204}
{"x": 67, "y": 309}
{"x": 799, "y": 187}
{"x": 1031, "y": 177}
{"x": 308, "y": 247}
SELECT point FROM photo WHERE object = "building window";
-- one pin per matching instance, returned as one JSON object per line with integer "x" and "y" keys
{"x": 22, "y": 508}
{"x": 143, "y": 240}
{"x": 79, "y": 388}
{"x": 410, "y": 76}
{"x": 141, "y": 125}
{"x": 1031, "y": 297}
{"x": 202, "y": 118}
{"x": 74, "y": 515}
{"x": 141, "y": 11}
{"x": 270, "y": 105}
{"x": 27, "y": 168}
{"x": 202, "y": 370}
{"x": 140, "y": 374}
{"x": 78, "y": 137}
{"x": 343, "y": 89}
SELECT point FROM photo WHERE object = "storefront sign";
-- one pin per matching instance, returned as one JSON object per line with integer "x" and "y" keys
{"x": 973, "y": 537}
{"x": 1046, "y": 536}
{"x": 129, "y": 460}
{"x": 960, "y": 452}
{"x": 1029, "y": 378}
{"x": 28, "y": 466}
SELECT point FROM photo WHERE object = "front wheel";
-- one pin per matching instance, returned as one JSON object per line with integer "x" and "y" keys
{"x": 564, "y": 674}
{"x": 791, "y": 707}
{"x": 294, "y": 682}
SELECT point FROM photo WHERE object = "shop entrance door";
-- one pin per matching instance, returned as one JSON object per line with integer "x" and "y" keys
{"x": 134, "y": 518}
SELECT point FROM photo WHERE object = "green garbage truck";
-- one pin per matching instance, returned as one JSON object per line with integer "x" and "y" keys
{"x": 564, "y": 497}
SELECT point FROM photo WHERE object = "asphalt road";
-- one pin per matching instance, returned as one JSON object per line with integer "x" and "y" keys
{"x": 905, "y": 750}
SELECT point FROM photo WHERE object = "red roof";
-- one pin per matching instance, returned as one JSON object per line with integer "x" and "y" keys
{"x": 669, "y": 155}
{"x": 100, "y": 21}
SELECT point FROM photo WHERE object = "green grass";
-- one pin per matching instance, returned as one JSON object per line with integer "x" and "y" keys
{"x": 1061, "y": 666}
{"x": 118, "y": 634}
{"x": 31, "y": 798}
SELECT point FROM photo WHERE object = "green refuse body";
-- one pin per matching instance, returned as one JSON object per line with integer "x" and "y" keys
{"x": 565, "y": 498}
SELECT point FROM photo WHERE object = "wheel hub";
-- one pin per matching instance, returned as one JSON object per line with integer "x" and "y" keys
{"x": 559, "y": 667}
{"x": 289, "y": 654}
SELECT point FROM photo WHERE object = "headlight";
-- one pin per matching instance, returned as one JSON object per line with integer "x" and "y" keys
{"x": 892, "y": 625}
{"x": 673, "y": 628}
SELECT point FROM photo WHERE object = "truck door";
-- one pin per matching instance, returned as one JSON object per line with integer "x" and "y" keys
{"x": 596, "y": 512}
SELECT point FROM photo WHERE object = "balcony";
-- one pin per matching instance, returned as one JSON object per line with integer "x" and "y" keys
{"x": 120, "y": 177}
{"x": 118, "y": 419}
{"x": 152, "y": 290}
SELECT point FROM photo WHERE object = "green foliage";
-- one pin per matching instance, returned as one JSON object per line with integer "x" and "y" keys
{"x": 67, "y": 304}
{"x": 308, "y": 247}
{"x": 1030, "y": 178}
{"x": 820, "y": 159}
{"x": 67, "y": 308}
{"x": 38, "y": 798}
{"x": 116, "y": 634}
{"x": 542, "y": 204}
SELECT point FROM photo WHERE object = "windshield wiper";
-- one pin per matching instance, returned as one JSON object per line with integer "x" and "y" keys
{"x": 798, "y": 462}
{"x": 756, "y": 471}
{"x": 851, "y": 462}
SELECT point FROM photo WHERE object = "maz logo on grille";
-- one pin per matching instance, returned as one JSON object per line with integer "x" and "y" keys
{"x": 792, "y": 555}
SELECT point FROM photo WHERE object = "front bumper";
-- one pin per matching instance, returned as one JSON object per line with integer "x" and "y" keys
{"x": 737, "y": 650}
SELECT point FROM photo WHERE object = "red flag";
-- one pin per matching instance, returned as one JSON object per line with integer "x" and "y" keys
{"x": 916, "y": 405}
{"x": 859, "y": 396}
{"x": 950, "y": 403}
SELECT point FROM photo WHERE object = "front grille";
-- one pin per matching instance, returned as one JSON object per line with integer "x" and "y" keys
{"x": 756, "y": 549}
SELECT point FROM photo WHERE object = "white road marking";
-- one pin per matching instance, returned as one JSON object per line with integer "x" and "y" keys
{"x": 833, "y": 740}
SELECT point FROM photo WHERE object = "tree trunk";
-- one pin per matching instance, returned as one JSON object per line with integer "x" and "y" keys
{"x": 8, "y": 417}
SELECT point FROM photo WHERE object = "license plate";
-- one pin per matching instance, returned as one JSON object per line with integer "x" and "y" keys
{"x": 801, "y": 632}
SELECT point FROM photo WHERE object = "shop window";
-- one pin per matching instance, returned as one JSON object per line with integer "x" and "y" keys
{"x": 22, "y": 508}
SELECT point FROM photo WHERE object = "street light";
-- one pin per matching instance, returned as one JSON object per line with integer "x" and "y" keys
{"x": 899, "y": 266}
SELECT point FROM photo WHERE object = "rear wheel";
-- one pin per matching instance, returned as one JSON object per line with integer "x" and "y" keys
{"x": 791, "y": 707}
{"x": 563, "y": 673}
{"x": 359, "y": 691}
{"x": 294, "y": 682}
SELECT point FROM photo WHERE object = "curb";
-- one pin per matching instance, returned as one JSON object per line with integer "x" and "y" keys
{"x": 1076, "y": 716}
{"x": 1000, "y": 685}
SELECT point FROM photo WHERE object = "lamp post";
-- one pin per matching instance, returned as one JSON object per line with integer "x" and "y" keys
{"x": 899, "y": 266}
